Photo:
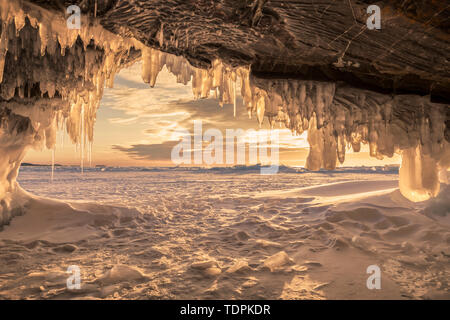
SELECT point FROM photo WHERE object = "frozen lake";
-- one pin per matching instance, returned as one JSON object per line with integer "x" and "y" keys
{"x": 223, "y": 234}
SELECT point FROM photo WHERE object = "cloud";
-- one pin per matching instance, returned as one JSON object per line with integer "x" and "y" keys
{"x": 169, "y": 109}
{"x": 157, "y": 151}
{"x": 123, "y": 120}
{"x": 163, "y": 151}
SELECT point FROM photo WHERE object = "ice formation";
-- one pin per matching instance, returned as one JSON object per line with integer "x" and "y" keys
{"x": 52, "y": 77}
{"x": 337, "y": 118}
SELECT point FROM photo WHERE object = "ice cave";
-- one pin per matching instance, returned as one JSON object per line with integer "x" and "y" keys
{"x": 52, "y": 78}
{"x": 309, "y": 66}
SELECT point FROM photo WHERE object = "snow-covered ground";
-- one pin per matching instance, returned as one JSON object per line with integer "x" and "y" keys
{"x": 224, "y": 234}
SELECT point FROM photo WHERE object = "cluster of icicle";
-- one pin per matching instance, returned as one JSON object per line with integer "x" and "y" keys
{"x": 343, "y": 118}
{"x": 337, "y": 119}
{"x": 51, "y": 78}
{"x": 72, "y": 73}
{"x": 221, "y": 81}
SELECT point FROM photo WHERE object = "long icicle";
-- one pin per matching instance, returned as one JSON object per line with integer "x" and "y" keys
{"x": 234, "y": 96}
{"x": 82, "y": 139}
{"x": 90, "y": 154}
{"x": 53, "y": 163}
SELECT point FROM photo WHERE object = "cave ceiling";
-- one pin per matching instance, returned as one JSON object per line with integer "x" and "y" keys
{"x": 324, "y": 40}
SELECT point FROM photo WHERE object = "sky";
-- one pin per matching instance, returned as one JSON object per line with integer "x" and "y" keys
{"x": 139, "y": 126}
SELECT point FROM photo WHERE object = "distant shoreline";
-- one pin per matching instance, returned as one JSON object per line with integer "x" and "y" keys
{"x": 240, "y": 168}
{"x": 27, "y": 164}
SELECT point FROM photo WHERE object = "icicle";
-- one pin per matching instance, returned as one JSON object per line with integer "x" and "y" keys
{"x": 234, "y": 100}
{"x": 90, "y": 154}
{"x": 161, "y": 35}
{"x": 82, "y": 136}
{"x": 150, "y": 66}
{"x": 2, "y": 65}
{"x": 419, "y": 175}
{"x": 63, "y": 133}
{"x": 53, "y": 163}
{"x": 260, "y": 109}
